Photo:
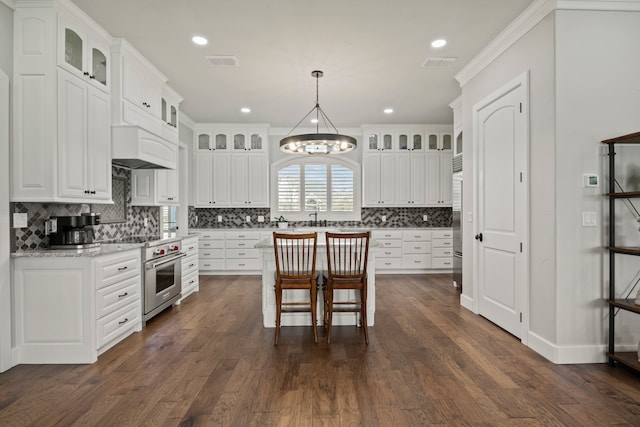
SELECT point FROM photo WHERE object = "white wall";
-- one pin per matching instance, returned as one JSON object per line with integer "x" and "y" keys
{"x": 584, "y": 68}
{"x": 598, "y": 97}
{"x": 533, "y": 52}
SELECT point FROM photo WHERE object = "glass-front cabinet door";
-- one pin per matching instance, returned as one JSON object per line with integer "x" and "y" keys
{"x": 432, "y": 141}
{"x": 221, "y": 141}
{"x": 416, "y": 142}
{"x": 447, "y": 142}
{"x": 99, "y": 66}
{"x": 373, "y": 142}
{"x": 204, "y": 142}
{"x": 256, "y": 141}
{"x": 81, "y": 55}
{"x": 239, "y": 142}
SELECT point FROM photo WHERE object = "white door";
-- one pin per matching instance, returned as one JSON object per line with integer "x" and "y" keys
{"x": 501, "y": 127}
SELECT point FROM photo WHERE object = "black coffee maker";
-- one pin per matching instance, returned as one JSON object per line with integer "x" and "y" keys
{"x": 73, "y": 232}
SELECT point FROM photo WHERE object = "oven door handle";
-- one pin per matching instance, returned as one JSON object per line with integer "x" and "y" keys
{"x": 158, "y": 264}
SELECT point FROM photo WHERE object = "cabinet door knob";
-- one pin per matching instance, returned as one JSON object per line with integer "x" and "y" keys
{"x": 85, "y": 73}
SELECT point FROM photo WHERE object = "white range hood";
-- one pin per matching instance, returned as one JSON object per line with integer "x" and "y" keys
{"x": 135, "y": 148}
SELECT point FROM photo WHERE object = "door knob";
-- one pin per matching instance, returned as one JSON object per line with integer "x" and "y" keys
{"x": 479, "y": 237}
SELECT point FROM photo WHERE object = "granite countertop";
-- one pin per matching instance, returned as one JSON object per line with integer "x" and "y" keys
{"x": 103, "y": 249}
{"x": 306, "y": 227}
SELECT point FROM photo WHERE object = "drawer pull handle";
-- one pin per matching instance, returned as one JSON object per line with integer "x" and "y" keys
{"x": 123, "y": 295}
{"x": 191, "y": 248}
{"x": 193, "y": 281}
{"x": 387, "y": 253}
{"x": 124, "y": 321}
{"x": 206, "y": 244}
{"x": 241, "y": 253}
{"x": 240, "y": 244}
{"x": 387, "y": 263}
{"x": 122, "y": 268}
{"x": 241, "y": 265}
{"x": 191, "y": 265}
{"x": 416, "y": 247}
{"x": 241, "y": 236}
{"x": 447, "y": 263}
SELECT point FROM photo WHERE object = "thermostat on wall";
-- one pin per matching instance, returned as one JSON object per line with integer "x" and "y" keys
{"x": 590, "y": 180}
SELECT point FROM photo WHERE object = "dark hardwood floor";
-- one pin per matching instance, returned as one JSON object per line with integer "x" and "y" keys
{"x": 429, "y": 362}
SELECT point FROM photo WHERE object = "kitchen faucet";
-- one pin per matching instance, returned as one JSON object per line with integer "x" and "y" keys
{"x": 314, "y": 223}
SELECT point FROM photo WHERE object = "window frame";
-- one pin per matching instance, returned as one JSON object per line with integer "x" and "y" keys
{"x": 328, "y": 160}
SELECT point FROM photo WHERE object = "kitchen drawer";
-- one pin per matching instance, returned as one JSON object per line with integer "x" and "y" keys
{"x": 210, "y": 264}
{"x": 241, "y": 244}
{"x": 388, "y": 263}
{"x": 416, "y": 261}
{"x": 189, "y": 284}
{"x": 442, "y": 234}
{"x": 242, "y": 235}
{"x": 211, "y": 244}
{"x": 243, "y": 264}
{"x": 386, "y": 234}
{"x": 118, "y": 323}
{"x": 212, "y": 235}
{"x": 211, "y": 253}
{"x": 243, "y": 253}
{"x": 416, "y": 235}
{"x": 441, "y": 252}
{"x": 111, "y": 298}
{"x": 189, "y": 265}
{"x": 389, "y": 253}
{"x": 442, "y": 263}
{"x": 115, "y": 268}
{"x": 390, "y": 243}
{"x": 190, "y": 245}
{"x": 416, "y": 247}
{"x": 442, "y": 243}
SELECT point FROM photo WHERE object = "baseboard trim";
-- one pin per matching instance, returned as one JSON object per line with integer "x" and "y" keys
{"x": 467, "y": 303}
{"x": 563, "y": 355}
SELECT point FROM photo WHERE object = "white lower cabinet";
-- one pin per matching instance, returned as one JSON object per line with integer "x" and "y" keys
{"x": 442, "y": 249}
{"x": 416, "y": 249}
{"x": 230, "y": 252}
{"x": 190, "y": 282}
{"x": 413, "y": 250}
{"x": 71, "y": 309}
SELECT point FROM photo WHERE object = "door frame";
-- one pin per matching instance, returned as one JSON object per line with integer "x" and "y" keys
{"x": 6, "y": 325}
{"x": 522, "y": 80}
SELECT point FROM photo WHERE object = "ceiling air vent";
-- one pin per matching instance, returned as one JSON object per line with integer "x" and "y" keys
{"x": 222, "y": 60}
{"x": 439, "y": 62}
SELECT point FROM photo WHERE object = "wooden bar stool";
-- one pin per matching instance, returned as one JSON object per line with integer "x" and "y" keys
{"x": 295, "y": 269}
{"x": 347, "y": 255}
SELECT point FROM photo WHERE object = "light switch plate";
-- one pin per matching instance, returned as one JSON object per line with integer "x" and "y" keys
{"x": 260, "y": 218}
{"x": 425, "y": 217}
{"x": 19, "y": 220}
{"x": 146, "y": 222}
{"x": 383, "y": 218}
{"x": 219, "y": 218}
{"x": 589, "y": 219}
{"x": 248, "y": 218}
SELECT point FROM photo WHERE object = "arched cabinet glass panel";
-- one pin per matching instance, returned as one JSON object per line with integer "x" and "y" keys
{"x": 73, "y": 46}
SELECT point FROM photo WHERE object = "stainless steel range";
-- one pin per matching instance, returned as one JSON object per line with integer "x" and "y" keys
{"x": 162, "y": 271}
{"x": 162, "y": 266}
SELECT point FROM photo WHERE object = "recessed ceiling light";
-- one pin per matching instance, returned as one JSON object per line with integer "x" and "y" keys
{"x": 314, "y": 121}
{"x": 199, "y": 40}
{"x": 438, "y": 43}
{"x": 388, "y": 110}
{"x": 245, "y": 110}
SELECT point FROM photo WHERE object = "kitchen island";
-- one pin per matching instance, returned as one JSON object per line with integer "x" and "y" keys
{"x": 265, "y": 247}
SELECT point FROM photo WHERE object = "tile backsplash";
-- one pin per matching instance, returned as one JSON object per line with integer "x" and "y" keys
{"x": 371, "y": 217}
{"x": 34, "y": 237}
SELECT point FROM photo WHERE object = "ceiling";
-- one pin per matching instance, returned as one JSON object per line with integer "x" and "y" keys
{"x": 371, "y": 52}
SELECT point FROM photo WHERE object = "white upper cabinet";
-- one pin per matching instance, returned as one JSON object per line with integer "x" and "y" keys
{"x": 248, "y": 141}
{"x": 377, "y": 140}
{"x": 411, "y": 141}
{"x": 378, "y": 180}
{"x": 82, "y": 53}
{"x": 232, "y": 166}
{"x": 439, "y": 141}
{"x": 154, "y": 187}
{"x": 62, "y": 116}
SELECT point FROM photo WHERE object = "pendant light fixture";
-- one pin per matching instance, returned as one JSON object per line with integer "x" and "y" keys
{"x": 317, "y": 143}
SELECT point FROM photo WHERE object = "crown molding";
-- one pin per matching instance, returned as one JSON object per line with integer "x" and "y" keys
{"x": 11, "y": 4}
{"x": 528, "y": 19}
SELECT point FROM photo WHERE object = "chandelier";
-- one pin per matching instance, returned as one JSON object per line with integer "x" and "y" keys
{"x": 317, "y": 143}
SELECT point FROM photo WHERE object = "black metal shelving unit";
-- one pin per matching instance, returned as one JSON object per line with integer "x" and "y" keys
{"x": 629, "y": 359}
